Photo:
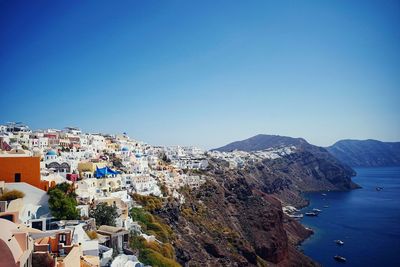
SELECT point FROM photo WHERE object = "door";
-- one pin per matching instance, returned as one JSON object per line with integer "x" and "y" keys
{"x": 17, "y": 177}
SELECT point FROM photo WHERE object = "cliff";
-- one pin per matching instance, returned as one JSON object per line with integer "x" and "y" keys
{"x": 236, "y": 218}
{"x": 228, "y": 222}
{"x": 367, "y": 153}
{"x": 309, "y": 168}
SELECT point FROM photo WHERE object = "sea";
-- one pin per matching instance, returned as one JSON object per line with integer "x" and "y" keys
{"x": 367, "y": 220}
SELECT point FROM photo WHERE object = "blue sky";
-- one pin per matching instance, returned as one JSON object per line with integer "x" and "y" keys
{"x": 203, "y": 72}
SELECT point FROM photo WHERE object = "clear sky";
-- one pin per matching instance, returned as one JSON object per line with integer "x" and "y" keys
{"x": 203, "y": 72}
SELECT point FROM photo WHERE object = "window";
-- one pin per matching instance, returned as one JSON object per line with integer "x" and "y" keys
{"x": 37, "y": 225}
{"x": 62, "y": 238}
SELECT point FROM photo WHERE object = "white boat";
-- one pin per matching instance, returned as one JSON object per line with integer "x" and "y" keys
{"x": 339, "y": 242}
{"x": 296, "y": 216}
{"x": 340, "y": 258}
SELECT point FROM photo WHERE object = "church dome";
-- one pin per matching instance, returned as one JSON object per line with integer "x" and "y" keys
{"x": 51, "y": 153}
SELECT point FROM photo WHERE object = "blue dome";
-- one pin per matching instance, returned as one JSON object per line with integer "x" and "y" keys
{"x": 125, "y": 149}
{"x": 138, "y": 155}
{"x": 51, "y": 153}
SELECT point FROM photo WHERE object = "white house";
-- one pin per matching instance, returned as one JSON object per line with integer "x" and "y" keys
{"x": 97, "y": 142}
{"x": 145, "y": 185}
{"x": 33, "y": 205}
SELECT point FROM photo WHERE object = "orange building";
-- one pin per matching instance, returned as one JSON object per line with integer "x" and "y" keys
{"x": 22, "y": 169}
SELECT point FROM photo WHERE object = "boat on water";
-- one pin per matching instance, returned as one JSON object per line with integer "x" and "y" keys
{"x": 311, "y": 214}
{"x": 340, "y": 258}
{"x": 323, "y": 194}
{"x": 316, "y": 210}
{"x": 296, "y": 216}
{"x": 379, "y": 188}
{"x": 339, "y": 242}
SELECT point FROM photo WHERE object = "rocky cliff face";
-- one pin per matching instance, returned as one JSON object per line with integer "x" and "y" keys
{"x": 303, "y": 171}
{"x": 236, "y": 218}
{"x": 228, "y": 222}
{"x": 367, "y": 153}
{"x": 310, "y": 168}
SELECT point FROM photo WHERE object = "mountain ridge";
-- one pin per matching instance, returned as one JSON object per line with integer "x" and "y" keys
{"x": 308, "y": 168}
{"x": 366, "y": 153}
{"x": 262, "y": 141}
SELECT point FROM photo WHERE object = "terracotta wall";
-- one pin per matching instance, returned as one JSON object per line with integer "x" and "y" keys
{"x": 7, "y": 258}
{"x": 28, "y": 167}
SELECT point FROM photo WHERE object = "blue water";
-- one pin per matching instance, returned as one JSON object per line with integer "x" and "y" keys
{"x": 368, "y": 221}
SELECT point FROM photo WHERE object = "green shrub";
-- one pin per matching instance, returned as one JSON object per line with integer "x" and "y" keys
{"x": 137, "y": 242}
{"x": 160, "y": 231}
{"x": 65, "y": 187}
{"x": 151, "y": 225}
{"x": 155, "y": 259}
{"x": 62, "y": 206}
{"x": 104, "y": 214}
{"x": 153, "y": 253}
{"x": 142, "y": 216}
{"x": 164, "y": 249}
{"x": 149, "y": 203}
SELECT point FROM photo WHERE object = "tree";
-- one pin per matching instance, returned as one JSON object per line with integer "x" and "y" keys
{"x": 67, "y": 188}
{"x": 104, "y": 214}
{"x": 62, "y": 202}
{"x": 11, "y": 195}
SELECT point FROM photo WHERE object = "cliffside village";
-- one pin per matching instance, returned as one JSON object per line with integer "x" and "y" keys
{"x": 239, "y": 159}
{"x": 102, "y": 169}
